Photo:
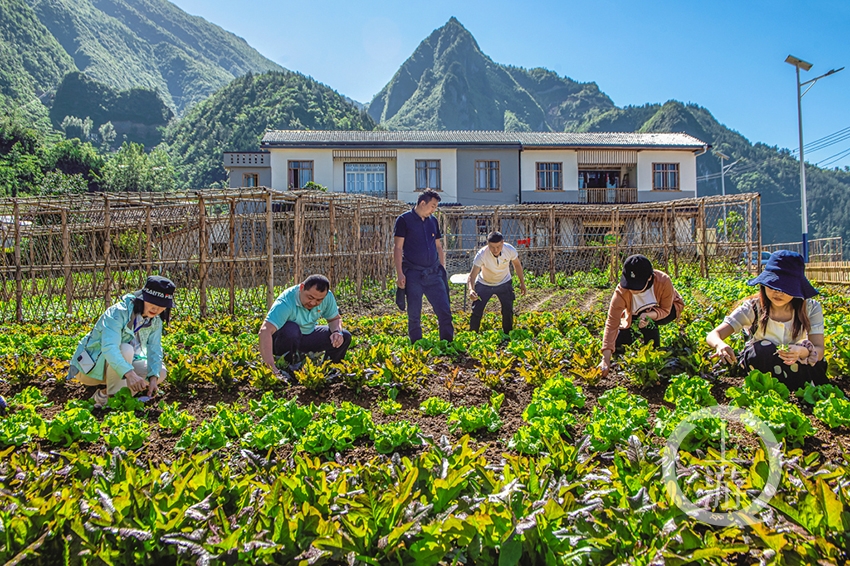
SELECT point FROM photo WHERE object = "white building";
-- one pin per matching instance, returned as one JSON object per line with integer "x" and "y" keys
{"x": 480, "y": 167}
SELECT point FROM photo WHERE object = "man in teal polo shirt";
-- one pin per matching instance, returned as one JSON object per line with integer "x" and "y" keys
{"x": 290, "y": 326}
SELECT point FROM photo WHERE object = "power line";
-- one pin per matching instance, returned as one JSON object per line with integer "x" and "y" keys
{"x": 826, "y": 141}
{"x": 833, "y": 158}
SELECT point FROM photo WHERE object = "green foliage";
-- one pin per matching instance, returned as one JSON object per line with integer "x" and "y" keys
{"x": 73, "y": 425}
{"x": 812, "y": 394}
{"x": 472, "y": 419}
{"x": 618, "y": 415}
{"x": 642, "y": 364}
{"x": 124, "y": 400}
{"x": 433, "y": 406}
{"x": 125, "y": 430}
{"x": 236, "y": 117}
{"x": 394, "y": 436}
{"x": 29, "y": 398}
{"x": 133, "y": 170}
{"x": 20, "y": 427}
{"x": 695, "y": 388}
{"x": 756, "y": 384}
{"x": 172, "y": 419}
{"x": 833, "y": 411}
{"x": 785, "y": 420}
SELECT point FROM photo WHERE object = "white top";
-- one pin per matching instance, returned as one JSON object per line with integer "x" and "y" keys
{"x": 495, "y": 270}
{"x": 643, "y": 300}
{"x": 778, "y": 333}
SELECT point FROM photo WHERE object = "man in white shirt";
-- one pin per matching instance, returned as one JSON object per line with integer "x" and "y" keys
{"x": 491, "y": 275}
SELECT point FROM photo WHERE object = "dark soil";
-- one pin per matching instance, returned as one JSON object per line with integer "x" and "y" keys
{"x": 467, "y": 390}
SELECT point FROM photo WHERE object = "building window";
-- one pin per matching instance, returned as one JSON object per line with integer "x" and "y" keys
{"x": 487, "y": 176}
{"x": 665, "y": 176}
{"x": 428, "y": 174}
{"x": 600, "y": 179}
{"x": 250, "y": 180}
{"x": 366, "y": 179}
{"x": 300, "y": 173}
{"x": 549, "y": 177}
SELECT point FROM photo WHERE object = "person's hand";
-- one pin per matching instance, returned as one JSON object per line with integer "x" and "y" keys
{"x": 153, "y": 385}
{"x": 522, "y": 288}
{"x": 336, "y": 338}
{"x": 643, "y": 320}
{"x": 725, "y": 353}
{"x": 473, "y": 295}
{"x": 401, "y": 281}
{"x": 135, "y": 383}
{"x": 604, "y": 367}
{"x": 793, "y": 354}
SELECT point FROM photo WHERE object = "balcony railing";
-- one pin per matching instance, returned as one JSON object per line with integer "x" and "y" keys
{"x": 608, "y": 196}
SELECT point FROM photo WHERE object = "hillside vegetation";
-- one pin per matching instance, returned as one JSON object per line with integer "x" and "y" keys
{"x": 236, "y": 117}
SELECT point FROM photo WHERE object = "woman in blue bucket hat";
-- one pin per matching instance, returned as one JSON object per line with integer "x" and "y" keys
{"x": 783, "y": 322}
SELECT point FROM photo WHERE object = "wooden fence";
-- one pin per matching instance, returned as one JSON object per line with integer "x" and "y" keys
{"x": 837, "y": 272}
{"x": 231, "y": 251}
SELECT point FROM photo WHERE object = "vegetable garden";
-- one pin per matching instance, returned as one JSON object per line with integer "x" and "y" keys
{"x": 488, "y": 450}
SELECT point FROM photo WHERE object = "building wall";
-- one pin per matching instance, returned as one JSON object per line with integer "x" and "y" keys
{"x": 406, "y": 173}
{"x": 323, "y": 167}
{"x": 235, "y": 174}
{"x": 687, "y": 175}
{"x": 530, "y": 159}
{"x": 509, "y": 177}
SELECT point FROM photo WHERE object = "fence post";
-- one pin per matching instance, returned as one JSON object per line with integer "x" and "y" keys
{"x": 665, "y": 237}
{"x": 202, "y": 255}
{"x": 332, "y": 243}
{"x": 66, "y": 262}
{"x": 758, "y": 228}
{"x": 149, "y": 244}
{"x": 675, "y": 238}
{"x": 107, "y": 252}
{"x": 358, "y": 248}
{"x": 298, "y": 228}
{"x": 270, "y": 250}
{"x": 615, "y": 249}
{"x": 552, "y": 244}
{"x": 19, "y": 287}
{"x": 231, "y": 306}
{"x": 749, "y": 238}
{"x": 703, "y": 263}
{"x": 497, "y": 220}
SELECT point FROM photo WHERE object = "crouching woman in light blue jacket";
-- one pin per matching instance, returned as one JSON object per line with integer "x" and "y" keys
{"x": 124, "y": 348}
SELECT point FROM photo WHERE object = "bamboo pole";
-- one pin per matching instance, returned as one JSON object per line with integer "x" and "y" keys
{"x": 358, "y": 247}
{"x": 615, "y": 249}
{"x": 298, "y": 235}
{"x": 149, "y": 243}
{"x": 202, "y": 255}
{"x": 269, "y": 251}
{"x": 66, "y": 263}
{"x": 497, "y": 221}
{"x": 675, "y": 241}
{"x": 758, "y": 226}
{"x": 665, "y": 237}
{"x": 19, "y": 287}
{"x": 107, "y": 252}
{"x": 231, "y": 305}
{"x": 703, "y": 264}
{"x": 332, "y": 243}
{"x": 552, "y": 245}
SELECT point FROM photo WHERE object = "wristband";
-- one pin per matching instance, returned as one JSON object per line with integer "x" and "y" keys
{"x": 336, "y": 332}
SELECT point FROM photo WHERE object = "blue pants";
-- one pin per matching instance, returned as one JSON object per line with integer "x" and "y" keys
{"x": 433, "y": 284}
{"x": 288, "y": 341}
{"x": 506, "y": 295}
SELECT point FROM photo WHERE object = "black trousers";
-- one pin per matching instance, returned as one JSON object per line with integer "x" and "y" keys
{"x": 761, "y": 355}
{"x": 626, "y": 336}
{"x": 288, "y": 342}
{"x": 506, "y": 295}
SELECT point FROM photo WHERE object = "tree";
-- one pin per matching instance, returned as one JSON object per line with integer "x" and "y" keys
{"x": 107, "y": 136}
{"x": 76, "y": 127}
{"x": 132, "y": 170}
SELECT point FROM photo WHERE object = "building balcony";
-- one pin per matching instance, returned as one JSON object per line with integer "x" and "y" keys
{"x": 626, "y": 195}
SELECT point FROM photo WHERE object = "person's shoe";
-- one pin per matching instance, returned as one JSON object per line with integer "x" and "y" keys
{"x": 100, "y": 399}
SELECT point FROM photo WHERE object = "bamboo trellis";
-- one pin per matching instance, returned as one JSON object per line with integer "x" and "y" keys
{"x": 75, "y": 256}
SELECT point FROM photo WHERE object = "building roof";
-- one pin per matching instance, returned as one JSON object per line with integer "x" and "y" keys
{"x": 329, "y": 138}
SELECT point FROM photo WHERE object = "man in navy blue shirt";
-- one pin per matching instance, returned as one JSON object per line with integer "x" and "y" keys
{"x": 420, "y": 265}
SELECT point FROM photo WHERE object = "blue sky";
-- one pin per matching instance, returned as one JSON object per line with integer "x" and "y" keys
{"x": 727, "y": 56}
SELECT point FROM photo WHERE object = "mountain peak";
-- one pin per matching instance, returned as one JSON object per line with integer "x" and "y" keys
{"x": 448, "y": 83}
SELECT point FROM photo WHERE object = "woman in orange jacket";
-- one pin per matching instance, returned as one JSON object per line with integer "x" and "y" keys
{"x": 644, "y": 294}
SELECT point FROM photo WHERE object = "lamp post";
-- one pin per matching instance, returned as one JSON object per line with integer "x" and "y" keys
{"x": 723, "y": 169}
{"x": 800, "y": 64}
